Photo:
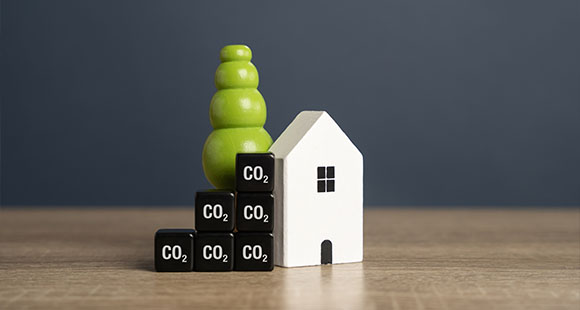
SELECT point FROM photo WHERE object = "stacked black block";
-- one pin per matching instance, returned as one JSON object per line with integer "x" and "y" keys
{"x": 174, "y": 249}
{"x": 214, "y": 222}
{"x": 254, "y": 243}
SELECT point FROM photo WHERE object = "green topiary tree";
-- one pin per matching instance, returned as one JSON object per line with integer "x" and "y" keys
{"x": 237, "y": 113}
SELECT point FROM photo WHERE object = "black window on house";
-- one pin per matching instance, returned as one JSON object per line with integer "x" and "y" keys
{"x": 325, "y": 179}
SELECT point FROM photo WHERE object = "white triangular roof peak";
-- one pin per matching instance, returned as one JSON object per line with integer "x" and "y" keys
{"x": 300, "y": 127}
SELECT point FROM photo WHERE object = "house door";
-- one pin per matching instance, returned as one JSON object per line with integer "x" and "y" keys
{"x": 326, "y": 252}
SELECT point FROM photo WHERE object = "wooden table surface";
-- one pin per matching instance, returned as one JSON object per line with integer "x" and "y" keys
{"x": 414, "y": 259}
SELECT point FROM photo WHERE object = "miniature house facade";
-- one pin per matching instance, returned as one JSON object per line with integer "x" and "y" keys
{"x": 319, "y": 194}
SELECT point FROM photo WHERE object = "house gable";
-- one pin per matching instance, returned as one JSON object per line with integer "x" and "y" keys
{"x": 308, "y": 125}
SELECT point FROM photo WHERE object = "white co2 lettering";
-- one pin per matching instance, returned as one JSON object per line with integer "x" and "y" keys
{"x": 215, "y": 211}
{"x": 168, "y": 252}
{"x": 214, "y": 252}
{"x": 255, "y": 173}
{"x": 255, "y": 212}
{"x": 254, "y": 252}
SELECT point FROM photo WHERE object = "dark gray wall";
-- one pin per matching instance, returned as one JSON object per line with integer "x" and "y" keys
{"x": 452, "y": 102}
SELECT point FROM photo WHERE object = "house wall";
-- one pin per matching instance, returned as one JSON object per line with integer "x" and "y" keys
{"x": 279, "y": 212}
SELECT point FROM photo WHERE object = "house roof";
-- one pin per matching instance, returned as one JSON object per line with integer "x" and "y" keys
{"x": 298, "y": 129}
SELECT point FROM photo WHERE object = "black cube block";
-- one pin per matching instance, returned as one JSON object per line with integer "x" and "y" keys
{"x": 174, "y": 249}
{"x": 214, "y": 211}
{"x": 214, "y": 252}
{"x": 254, "y": 252}
{"x": 255, "y": 212}
{"x": 255, "y": 172}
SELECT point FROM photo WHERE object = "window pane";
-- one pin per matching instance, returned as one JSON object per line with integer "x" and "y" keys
{"x": 321, "y": 173}
{"x": 321, "y": 186}
{"x": 330, "y": 186}
{"x": 330, "y": 172}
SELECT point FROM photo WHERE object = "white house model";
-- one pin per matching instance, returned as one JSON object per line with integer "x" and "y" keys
{"x": 319, "y": 194}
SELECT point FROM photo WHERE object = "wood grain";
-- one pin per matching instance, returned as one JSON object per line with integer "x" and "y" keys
{"x": 414, "y": 259}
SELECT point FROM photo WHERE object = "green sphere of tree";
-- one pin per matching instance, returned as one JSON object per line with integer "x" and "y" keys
{"x": 237, "y": 113}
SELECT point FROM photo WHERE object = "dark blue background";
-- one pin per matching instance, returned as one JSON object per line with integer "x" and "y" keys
{"x": 452, "y": 102}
